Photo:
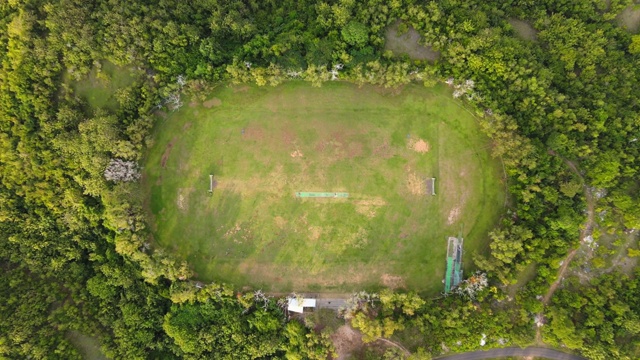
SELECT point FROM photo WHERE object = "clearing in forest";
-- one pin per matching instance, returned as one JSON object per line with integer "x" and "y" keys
{"x": 524, "y": 29}
{"x": 629, "y": 18}
{"x": 100, "y": 86}
{"x": 402, "y": 39}
{"x": 265, "y": 144}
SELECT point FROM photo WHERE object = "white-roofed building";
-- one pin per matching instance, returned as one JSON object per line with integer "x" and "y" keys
{"x": 298, "y": 304}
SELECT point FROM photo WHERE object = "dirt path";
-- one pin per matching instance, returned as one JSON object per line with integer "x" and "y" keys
{"x": 585, "y": 231}
{"x": 393, "y": 343}
{"x": 561, "y": 271}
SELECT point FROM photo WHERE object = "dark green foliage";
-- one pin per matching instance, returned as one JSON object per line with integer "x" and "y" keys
{"x": 27, "y": 311}
{"x": 203, "y": 330}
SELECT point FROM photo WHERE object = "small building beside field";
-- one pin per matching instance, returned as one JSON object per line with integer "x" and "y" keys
{"x": 299, "y": 304}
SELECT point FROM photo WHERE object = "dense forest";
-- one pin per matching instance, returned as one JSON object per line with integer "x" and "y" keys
{"x": 562, "y": 110}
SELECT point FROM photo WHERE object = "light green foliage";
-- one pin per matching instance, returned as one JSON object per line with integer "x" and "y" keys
{"x": 571, "y": 188}
{"x": 605, "y": 172}
{"x": 634, "y": 47}
{"x": 407, "y": 303}
{"x": 564, "y": 331}
{"x": 626, "y": 205}
{"x": 355, "y": 33}
{"x": 506, "y": 246}
{"x": 601, "y": 319}
{"x": 373, "y": 329}
{"x": 302, "y": 345}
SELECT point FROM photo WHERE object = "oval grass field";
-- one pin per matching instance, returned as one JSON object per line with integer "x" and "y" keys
{"x": 262, "y": 145}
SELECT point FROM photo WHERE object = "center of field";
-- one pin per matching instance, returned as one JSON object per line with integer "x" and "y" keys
{"x": 265, "y": 146}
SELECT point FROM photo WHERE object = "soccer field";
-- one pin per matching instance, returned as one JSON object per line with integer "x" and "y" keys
{"x": 265, "y": 145}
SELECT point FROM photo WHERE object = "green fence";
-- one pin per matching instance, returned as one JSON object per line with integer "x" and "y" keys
{"x": 322, "y": 195}
{"x": 447, "y": 276}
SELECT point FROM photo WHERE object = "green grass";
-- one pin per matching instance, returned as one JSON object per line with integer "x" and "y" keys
{"x": 254, "y": 232}
{"x": 524, "y": 276}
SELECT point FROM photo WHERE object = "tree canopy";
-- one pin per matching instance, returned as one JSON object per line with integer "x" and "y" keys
{"x": 74, "y": 243}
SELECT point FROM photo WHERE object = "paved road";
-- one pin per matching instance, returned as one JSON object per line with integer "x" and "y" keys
{"x": 329, "y": 303}
{"x": 505, "y": 352}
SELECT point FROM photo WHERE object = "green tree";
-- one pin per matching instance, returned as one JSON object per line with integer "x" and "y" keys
{"x": 355, "y": 33}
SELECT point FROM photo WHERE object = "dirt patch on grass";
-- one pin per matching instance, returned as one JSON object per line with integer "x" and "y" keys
{"x": 288, "y": 136}
{"x": 280, "y": 222}
{"x": 383, "y": 150}
{"x": 233, "y": 230}
{"x": 254, "y": 132}
{"x": 458, "y": 199}
{"x": 408, "y": 43}
{"x": 454, "y": 215}
{"x": 346, "y": 340}
{"x": 276, "y": 103}
{"x": 240, "y": 88}
{"x": 167, "y": 152}
{"x": 186, "y": 126}
{"x": 193, "y": 104}
{"x": 212, "y": 102}
{"x": 369, "y": 207}
{"x": 272, "y": 183}
{"x": 338, "y": 138}
{"x": 354, "y": 149}
{"x": 321, "y": 146}
{"x": 415, "y": 184}
{"x": 340, "y": 145}
{"x": 392, "y": 282}
{"x": 182, "y": 201}
{"x": 297, "y": 153}
{"x": 419, "y": 146}
{"x": 314, "y": 233}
